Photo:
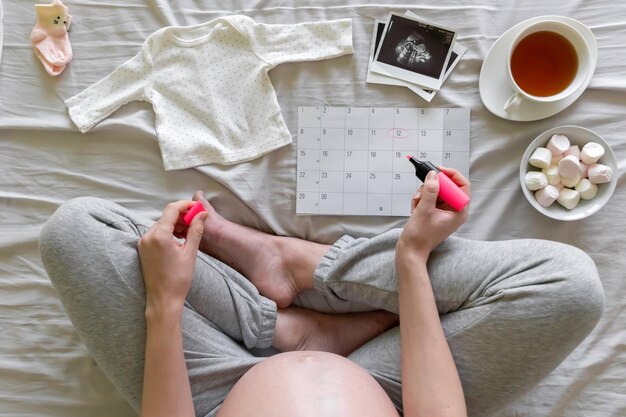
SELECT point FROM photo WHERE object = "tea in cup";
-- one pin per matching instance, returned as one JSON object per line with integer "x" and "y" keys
{"x": 548, "y": 61}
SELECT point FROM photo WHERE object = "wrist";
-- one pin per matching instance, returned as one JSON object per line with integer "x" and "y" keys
{"x": 411, "y": 252}
{"x": 412, "y": 268}
{"x": 159, "y": 310}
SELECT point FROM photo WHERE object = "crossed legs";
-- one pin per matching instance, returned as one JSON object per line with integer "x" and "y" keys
{"x": 511, "y": 310}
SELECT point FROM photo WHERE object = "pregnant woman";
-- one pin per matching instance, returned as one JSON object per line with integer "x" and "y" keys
{"x": 183, "y": 332}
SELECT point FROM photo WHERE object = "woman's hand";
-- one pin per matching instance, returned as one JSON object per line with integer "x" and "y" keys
{"x": 431, "y": 221}
{"x": 167, "y": 265}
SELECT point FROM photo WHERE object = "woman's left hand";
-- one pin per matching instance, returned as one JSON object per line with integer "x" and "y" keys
{"x": 168, "y": 265}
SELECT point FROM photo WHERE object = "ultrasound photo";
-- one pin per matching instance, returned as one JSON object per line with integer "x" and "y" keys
{"x": 418, "y": 48}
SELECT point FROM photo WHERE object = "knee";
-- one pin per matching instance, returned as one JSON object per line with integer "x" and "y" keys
{"x": 69, "y": 216}
{"x": 66, "y": 226}
{"x": 580, "y": 292}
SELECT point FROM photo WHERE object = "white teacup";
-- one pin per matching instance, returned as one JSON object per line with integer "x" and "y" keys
{"x": 584, "y": 63}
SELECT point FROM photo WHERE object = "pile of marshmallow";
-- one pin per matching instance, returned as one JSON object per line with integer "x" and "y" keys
{"x": 568, "y": 173}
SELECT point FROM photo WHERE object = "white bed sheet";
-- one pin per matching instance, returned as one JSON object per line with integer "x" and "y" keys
{"x": 44, "y": 161}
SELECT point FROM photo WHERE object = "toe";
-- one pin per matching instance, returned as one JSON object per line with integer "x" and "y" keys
{"x": 198, "y": 195}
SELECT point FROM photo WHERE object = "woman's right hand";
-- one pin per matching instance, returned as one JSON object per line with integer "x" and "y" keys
{"x": 431, "y": 221}
{"x": 167, "y": 264}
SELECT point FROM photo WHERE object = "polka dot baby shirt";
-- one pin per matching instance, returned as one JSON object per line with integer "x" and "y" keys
{"x": 209, "y": 86}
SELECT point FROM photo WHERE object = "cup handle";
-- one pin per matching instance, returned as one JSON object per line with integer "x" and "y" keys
{"x": 513, "y": 102}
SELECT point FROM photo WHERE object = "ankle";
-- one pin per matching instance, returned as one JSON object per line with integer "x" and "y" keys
{"x": 294, "y": 262}
{"x": 212, "y": 233}
{"x": 287, "y": 331}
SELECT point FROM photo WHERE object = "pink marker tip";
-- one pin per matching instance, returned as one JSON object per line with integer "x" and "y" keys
{"x": 408, "y": 157}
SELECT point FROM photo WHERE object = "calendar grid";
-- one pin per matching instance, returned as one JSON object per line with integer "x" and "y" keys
{"x": 369, "y": 141}
{"x": 351, "y": 160}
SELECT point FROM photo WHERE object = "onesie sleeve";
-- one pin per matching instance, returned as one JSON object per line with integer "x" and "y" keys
{"x": 126, "y": 83}
{"x": 276, "y": 44}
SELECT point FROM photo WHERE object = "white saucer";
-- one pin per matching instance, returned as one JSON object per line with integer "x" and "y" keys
{"x": 494, "y": 84}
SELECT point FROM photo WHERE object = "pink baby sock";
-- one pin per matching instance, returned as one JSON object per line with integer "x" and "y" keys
{"x": 49, "y": 36}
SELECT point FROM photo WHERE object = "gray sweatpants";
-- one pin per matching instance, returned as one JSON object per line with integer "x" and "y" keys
{"x": 511, "y": 310}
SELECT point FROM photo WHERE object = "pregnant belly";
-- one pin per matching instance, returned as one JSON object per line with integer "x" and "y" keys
{"x": 303, "y": 384}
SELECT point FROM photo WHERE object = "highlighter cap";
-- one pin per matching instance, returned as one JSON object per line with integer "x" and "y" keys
{"x": 422, "y": 168}
{"x": 193, "y": 211}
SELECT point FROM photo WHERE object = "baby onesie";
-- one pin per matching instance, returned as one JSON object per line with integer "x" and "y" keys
{"x": 209, "y": 86}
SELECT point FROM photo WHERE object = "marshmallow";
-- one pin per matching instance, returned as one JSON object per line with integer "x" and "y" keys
{"x": 547, "y": 195}
{"x": 536, "y": 180}
{"x": 552, "y": 174}
{"x": 573, "y": 150}
{"x": 591, "y": 152}
{"x": 559, "y": 186}
{"x": 569, "y": 166}
{"x": 558, "y": 144}
{"x": 587, "y": 189}
{"x": 584, "y": 169}
{"x": 556, "y": 160}
{"x": 568, "y": 198}
{"x": 570, "y": 182}
{"x": 599, "y": 174}
{"x": 541, "y": 158}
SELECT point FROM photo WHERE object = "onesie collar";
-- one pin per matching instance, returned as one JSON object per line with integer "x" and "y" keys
{"x": 192, "y": 35}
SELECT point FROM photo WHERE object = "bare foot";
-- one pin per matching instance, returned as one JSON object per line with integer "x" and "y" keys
{"x": 279, "y": 267}
{"x": 301, "y": 329}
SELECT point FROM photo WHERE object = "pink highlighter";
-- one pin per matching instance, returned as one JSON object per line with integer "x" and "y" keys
{"x": 448, "y": 190}
{"x": 193, "y": 211}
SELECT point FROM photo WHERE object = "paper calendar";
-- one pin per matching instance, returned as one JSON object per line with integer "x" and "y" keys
{"x": 352, "y": 160}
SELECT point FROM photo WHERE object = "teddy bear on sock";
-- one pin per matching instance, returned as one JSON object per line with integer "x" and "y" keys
{"x": 49, "y": 37}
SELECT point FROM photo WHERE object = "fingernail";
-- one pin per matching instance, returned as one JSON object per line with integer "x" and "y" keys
{"x": 431, "y": 175}
{"x": 417, "y": 195}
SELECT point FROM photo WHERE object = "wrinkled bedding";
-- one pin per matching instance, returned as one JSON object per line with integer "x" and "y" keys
{"x": 44, "y": 161}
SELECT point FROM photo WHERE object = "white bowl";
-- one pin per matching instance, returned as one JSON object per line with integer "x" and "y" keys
{"x": 577, "y": 136}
